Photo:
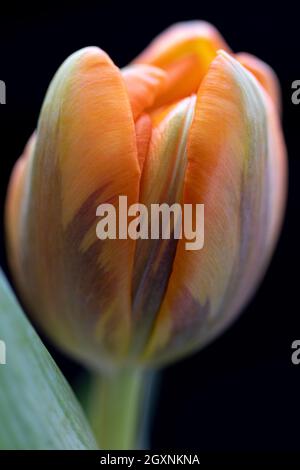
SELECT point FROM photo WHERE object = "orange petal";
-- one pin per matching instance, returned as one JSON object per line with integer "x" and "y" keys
{"x": 85, "y": 155}
{"x": 143, "y": 129}
{"x": 162, "y": 182}
{"x": 264, "y": 74}
{"x": 230, "y": 170}
{"x": 185, "y": 52}
{"x": 144, "y": 83}
{"x": 13, "y": 212}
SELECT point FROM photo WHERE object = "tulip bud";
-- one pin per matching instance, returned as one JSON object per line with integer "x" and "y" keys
{"x": 187, "y": 122}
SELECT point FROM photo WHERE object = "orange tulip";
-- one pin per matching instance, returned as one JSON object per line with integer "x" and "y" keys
{"x": 189, "y": 122}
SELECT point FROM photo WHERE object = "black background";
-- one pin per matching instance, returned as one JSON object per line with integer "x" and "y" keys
{"x": 241, "y": 392}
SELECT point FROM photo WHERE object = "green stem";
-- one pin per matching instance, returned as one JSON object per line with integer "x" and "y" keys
{"x": 120, "y": 408}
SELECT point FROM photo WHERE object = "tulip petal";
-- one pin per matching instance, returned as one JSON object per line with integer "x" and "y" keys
{"x": 144, "y": 83}
{"x": 143, "y": 130}
{"x": 162, "y": 182}
{"x": 230, "y": 156}
{"x": 264, "y": 74}
{"x": 13, "y": 206}
{"x": 185, "y": 52}
{"x": 85, "y": 155}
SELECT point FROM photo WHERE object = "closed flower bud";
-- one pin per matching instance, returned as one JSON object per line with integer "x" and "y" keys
{"x": 187, "y": 122}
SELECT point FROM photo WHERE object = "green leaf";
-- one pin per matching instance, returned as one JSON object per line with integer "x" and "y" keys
{"x": 38, "y": 409}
